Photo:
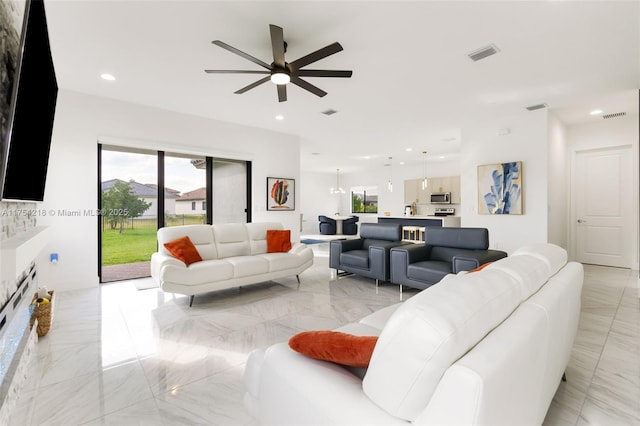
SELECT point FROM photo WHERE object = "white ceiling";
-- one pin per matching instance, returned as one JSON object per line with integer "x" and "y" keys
{"x": 412, "y": 86}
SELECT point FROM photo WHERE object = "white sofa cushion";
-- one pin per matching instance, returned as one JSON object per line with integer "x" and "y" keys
{"x": 281, "y": 261}
{"x": 529, "y": 271}
{"x": 200, "y": 235}
{"x": 231, "y": 239}
{"x": 257, "y": 232}
{"x": 429, "y": 332}
{"x": 246, "y": 266}
{"x": 199, "y": 272}
{"x": 554, "y": 256}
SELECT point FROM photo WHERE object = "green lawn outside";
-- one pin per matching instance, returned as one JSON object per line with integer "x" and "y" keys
{"x": 137, "y": 244}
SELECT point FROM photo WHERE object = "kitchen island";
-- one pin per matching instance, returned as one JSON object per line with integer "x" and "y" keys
{"x": 413, "y": 227}
{"x": 446, "y": 221}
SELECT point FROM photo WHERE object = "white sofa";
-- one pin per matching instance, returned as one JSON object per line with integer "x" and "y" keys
{"x": 234, "y": 254}
{"x": 487, "y": 347}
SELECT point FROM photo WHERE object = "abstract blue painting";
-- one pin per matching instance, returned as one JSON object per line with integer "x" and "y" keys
{"x": 500, "y": 188}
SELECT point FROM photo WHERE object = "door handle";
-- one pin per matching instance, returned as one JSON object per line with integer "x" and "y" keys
{"x": 582, "y": 221}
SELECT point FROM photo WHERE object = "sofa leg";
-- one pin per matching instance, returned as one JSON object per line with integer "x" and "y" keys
{"x": 191, "y": 300}
{"x": 298, "y": 278}
{"x": 376, "y": 286}
{"x": 564, "y": 377}
{"x": 401, "y": 292}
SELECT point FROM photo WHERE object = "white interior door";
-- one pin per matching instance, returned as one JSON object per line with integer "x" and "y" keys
{"x": 604, "y": 207}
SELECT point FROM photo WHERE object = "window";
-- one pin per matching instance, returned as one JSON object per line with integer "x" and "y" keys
{"x": 193, "y": 205}
{"x": 364, "y": 199}
{"x": 204, "y": 205}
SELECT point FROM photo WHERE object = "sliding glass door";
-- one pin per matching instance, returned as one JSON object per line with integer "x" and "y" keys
{"x": 128, "y": 224}
{"x": 143, "y": 190}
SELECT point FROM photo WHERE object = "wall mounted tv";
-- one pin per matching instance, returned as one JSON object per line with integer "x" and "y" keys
{"x": 29, "y": 91}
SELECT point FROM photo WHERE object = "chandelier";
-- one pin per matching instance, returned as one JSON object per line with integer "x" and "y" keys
{"x": 338, "y": 189}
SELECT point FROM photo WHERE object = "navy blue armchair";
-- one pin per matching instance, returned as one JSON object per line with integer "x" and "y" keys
{"x": 367, "y": 256}
{"x": 445, "y": 251}
{"x": 350, "y": 226}
{"x": 327, "y": 225}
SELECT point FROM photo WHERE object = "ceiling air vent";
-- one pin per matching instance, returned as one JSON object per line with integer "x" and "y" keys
{"x": 330, "y": 112}
{"x": 535, "y": 107}
{"x": 614, "y": 115}
{"x": 483, "y": 52}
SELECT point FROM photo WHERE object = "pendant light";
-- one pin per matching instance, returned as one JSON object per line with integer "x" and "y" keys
{"x": 338, "y": 189}
{"x": 389, "y": 182}
{"x": 425, "y": 182}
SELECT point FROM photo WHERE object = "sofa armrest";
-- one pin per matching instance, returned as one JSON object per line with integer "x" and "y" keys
{"x": 471, "y": 260}
{"x": 336, "y": 247}
{"x": 287, "y": 388}
{"x": 158, "y": 260}
{"x": 401, "y": 257}
{"x": 297, "y": 248}
{"x": 414, "y": 252}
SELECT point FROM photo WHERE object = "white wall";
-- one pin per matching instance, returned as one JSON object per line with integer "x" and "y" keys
{"x": 559, "y": 184}
{"x": 615, "y": 132}
{"x": 81, "y": 120}
{"x": 526, "y": 142}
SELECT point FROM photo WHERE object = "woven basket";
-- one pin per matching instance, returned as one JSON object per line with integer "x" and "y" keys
{"x": 43, "y": 312}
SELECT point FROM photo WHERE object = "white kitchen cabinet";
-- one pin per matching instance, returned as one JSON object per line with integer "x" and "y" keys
{"x": 410, "y": 191}
{"x": 455, "y": 189}
{"x": 413, "y": 189}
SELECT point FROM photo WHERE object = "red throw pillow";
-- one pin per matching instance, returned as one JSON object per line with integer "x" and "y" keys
{"x": 183, "y": 249}
{"x": 278, "y": 240}
{"x": 481, "y": 267}
{"x": 335, "y": 346}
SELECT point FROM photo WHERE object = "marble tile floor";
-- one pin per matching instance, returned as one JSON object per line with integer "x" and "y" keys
{"x": 116, "y": 355}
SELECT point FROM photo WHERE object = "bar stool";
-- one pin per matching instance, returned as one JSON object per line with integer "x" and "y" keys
{"x": 410, "y": 233}
{"x": 421, "y": 231}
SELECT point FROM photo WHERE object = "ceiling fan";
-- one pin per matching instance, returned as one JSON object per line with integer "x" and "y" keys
{"x": 281, "y": 72}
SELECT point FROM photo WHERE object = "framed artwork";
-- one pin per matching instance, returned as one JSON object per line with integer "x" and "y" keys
{"x": 281, "y": 194}
{"x": 500, "y": 188}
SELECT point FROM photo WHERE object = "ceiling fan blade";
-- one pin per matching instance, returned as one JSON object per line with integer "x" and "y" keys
{"x": 241, "y": 53}
{"x": 252, "y": 85}
{"x": 282, "y": 92}
{"x": 317, "y": 55}
{"x": 307, "y": 86}
{"x": 236, "y": 72}
{"x": 324, "y": 73}
{"x": 277, "y": 44}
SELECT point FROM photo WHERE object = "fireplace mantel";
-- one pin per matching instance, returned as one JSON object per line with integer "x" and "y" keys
{"x": 19, "y": 251}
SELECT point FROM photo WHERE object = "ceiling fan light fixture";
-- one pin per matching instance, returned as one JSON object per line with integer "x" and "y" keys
{"x": 280, "y": 78}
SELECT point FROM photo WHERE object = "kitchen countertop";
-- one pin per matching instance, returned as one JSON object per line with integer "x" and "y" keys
{"x": 418, "y": 217}
{"x": 447, "y": 221}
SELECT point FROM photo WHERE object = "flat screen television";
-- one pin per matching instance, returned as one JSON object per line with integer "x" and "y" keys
{"x": 29, "y": 103}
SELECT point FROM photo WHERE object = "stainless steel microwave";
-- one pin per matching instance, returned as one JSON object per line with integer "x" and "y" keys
{"x": 441, "y": 198}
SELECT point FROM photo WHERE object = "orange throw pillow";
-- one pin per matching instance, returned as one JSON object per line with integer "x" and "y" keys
{"x": 481, "y": 267}
{"x": 183, "y": 249}
{"x": 278, "y": 241}
{"x": 335, "y": 346}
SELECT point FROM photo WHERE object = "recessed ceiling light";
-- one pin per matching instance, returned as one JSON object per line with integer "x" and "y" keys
{"x": 596, "y": 112}
{"x": 279, "y": 117}
{"x": 409, "y": 149}
{"x": 402, "y": 163}
{"x": 108, "y": 77}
